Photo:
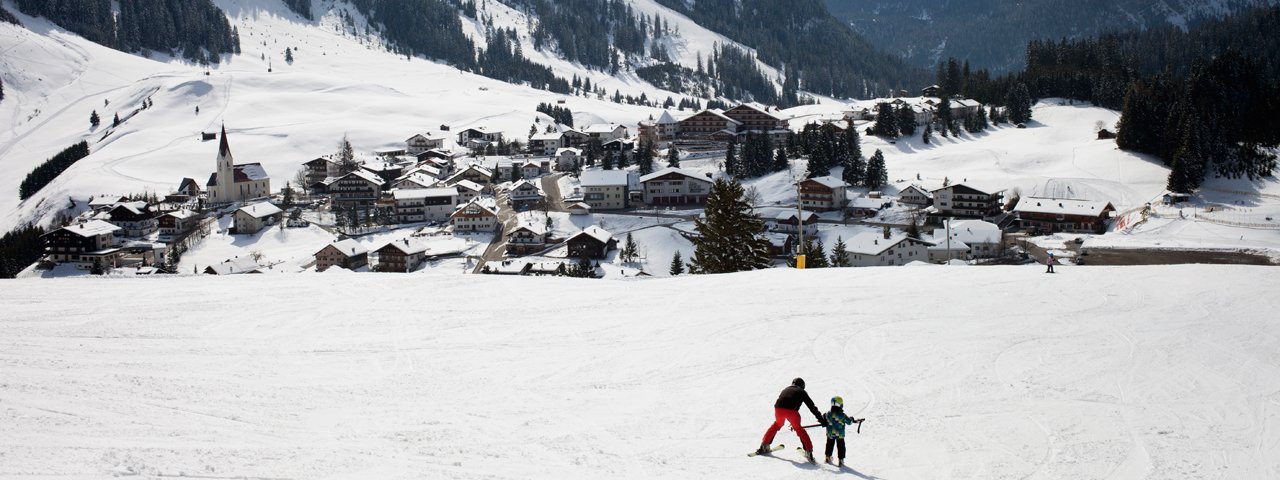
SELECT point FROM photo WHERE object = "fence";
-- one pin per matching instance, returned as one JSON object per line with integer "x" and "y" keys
{"x": 1236, "y": 217}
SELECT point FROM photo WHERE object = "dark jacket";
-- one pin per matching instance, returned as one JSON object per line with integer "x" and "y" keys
{"x": 791, "y": 398}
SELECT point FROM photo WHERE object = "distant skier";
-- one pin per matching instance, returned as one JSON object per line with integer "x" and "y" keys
{"x": 787, "y": 409}
{"x": 1049, "y": 263}
{"x": 836, "y": 420}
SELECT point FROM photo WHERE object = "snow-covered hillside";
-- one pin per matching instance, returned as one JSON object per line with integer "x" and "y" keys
{"x": 962, "y": 372}
{"x": 340, "y": 83}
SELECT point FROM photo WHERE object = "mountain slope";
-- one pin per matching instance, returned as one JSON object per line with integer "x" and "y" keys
{"x": 994, "y": 34}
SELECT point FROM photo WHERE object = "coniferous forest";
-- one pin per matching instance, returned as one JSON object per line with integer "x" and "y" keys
{"x": 1202, "y": 100}
{"x": 197, "y": 29}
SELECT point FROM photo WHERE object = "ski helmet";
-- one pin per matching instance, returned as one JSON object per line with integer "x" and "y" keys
{"x": 799, "y": 382}
{"x": 836, "y": 401}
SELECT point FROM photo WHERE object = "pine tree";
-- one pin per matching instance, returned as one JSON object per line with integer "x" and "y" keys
{"x": 346, "y": 156}
{"x": 731, "y": 166}
{"x": 886, "y": 121}
{"x": 677, "y": 264}
{"x": 94, "y": 120}
{"x": 906, "y": 120}
{"x": 780, "y": 161}
{"x": 876, "y": 174}
{"x": 816, "y": 256}
{"x": 1019, "y": 101}
{"x": 928, "y": 132}
{"x": 945, "y": 121}
{"x": 728, "y": 238}
{"x": 645, "y": 157}
{"x": 288, "y": 55}
{"x": 673, "y": 157}
{"x": 115, "y": 121}
{"x": 840, "y": 254}
{"x": 607, "y": 163}
{"x": 630, "y": 252}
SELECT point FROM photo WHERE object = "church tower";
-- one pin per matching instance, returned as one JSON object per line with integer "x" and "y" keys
{"x": 226, "y": 170}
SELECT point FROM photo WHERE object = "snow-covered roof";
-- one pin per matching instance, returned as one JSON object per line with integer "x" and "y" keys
{"x": 477, "y": 202}
{"x": 180, "y": 214}
{"x": 536, "y": 228}
{"x": 602, "y": 128}
{"x": 522, "y": 183}
{"x": 680, "y": 171}
{"x": 666, "y": 118}
{"x": 235, "y": 266}
{"x": 829, "y": 181}
{"x": 136, "y": 208}
{"x": 260, "y": 210}
{"x": 940, "y": 244}
{"x": 575, "y": 151}
{"x": 418, "y": 178}
{"x": 578, "y": 207}
{"x": 1062, "y": 206}
{"x": 364, "y": 174}
{"x": 919, "y": 190}
{"x": 546, "y": 136}
{"x": 872, "y": 243}
{"x": 720, "y": 113}
{"x": 864, "y": 202}
{"x": 428, "y": 136}
{"x": 409, "y": 246}
{"x": 349, "y": 247}
{"x": 595, "y": 232}
{"x": 970, "y": 231}
{"x": 105, "y": 201}
{"x": 250, "y": 172}
{"x": 603, "y": 178}
{"x": 420, "y": 193}
{"x": 91, "y": 228}
{"x": 469, "y": 185}
{"x": 790, "y": 215}
{"x": 987, "y": 190}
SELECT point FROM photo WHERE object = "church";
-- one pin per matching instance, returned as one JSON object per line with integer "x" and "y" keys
{"x": 236, "y": 183}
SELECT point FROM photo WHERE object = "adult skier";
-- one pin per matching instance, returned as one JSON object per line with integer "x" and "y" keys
{"x": 787, "y": 409}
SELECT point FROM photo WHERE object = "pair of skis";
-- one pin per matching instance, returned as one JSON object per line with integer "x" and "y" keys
{"x": 781, "y": 446}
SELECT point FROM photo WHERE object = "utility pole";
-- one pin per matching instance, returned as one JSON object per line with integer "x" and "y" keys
{"x": 800, "y": 253}
{"x": 948, "y": 240}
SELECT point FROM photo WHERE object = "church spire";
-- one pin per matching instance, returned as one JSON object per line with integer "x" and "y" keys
{"x": 224, "y": 150}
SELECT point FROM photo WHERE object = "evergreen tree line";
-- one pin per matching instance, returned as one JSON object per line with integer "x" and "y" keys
{"x": 591, "y": 32}
{"x": 19, "y": 248}
{"x": 561, "y": 115}
{"x": 503, "y": 59}
{"x": 196, "y": 28}
{"x": 756, "y": 157}
{"x": 51, "y": 168}
{"x": 300, "y": 7}
{"x": 820, "y": 53}
{"x": 7, "y": 17}
{"x": 729, "y": 72}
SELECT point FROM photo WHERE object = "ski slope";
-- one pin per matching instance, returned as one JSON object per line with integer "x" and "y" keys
{"x": 989, "y": 373}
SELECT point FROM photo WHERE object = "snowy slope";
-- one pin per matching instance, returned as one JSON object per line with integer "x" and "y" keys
{"x": 1096, "y": 372}
{"x": 341, "y": 83}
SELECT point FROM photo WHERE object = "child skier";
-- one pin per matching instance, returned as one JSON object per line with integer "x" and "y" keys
{"x": 836, "y": 420}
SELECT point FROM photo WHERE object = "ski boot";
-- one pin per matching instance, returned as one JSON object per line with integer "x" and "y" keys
{"x": 828, "y": 460}
{"x": 808, "y": 455}
{"x": 764, "y": 449}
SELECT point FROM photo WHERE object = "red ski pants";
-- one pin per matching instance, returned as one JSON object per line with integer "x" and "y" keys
{"x": 781, "y": 415}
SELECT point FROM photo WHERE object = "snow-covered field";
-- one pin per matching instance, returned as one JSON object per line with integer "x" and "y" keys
{"x": 991, "y": 373}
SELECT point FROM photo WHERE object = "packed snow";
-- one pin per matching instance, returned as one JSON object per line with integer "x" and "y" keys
{"x": 994, "y": 373}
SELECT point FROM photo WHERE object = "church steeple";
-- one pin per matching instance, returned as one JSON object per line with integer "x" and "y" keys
{"x": 224, "y": 150}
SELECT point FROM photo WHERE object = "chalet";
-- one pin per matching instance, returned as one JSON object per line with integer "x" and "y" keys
{"x": 419, "y": 178}
{"x": 401, "y": 256}
{"x": 980, "y": 239}
{"x": 252, "y": 218}
{"x": 189, "y": 187}
{"x": 348, "y": 254}
{"x": 1063, "y": 214}
{"x": 388, "y": 172}
{"x": 964, "y": 108}
{"x": 546, "y": 143}
{"x": 703, "y": 124}
{"x": 440, "y": 155}
{"x": 780, "y": 244}
{"x": 234, "y": 266}
{"x": 660, "y": 131}
{"x": 605, "y": 189}
{"x": 873, "y": 249}
{"x": 478, "y": 136}
{"x": 574, "y": 138}
{"x": 790, "y": 222}
{"x": 390, "y": 153}
{"x": 524, "y": 193}
{"x": 468, "y": 191}
{"x": 102, "y": 204}
{"x": 675, "y": 186}
{"x": 621, "y": 145}
{"x": 474, "y": 217}
{"x": 823, "y": 193}
{"x": 475, "y": 173}
{"x": 567, "y": 159}
{"x": 531, "y": 169}
{"x": 915, "y": 195}
{"x": 359, "y": 187}
{"x": 177, "y": 222}
{"x": 578, "y": 208}
{"x": 864, "y": 207}
{"x": 758, "y": 119}
{"x": 501, "y": 164}
{"x": 930, "y": 91}
{"x": 80, "y": 243}
{"x": 135, "y": 219}
{"x": 236, "y": 183}
{"x": 605, "y": 132}
{"x": 526, "y": 239}
{"x": 507, "y": 267}
{"x": 964, "y": 201}
{"x": 320, "y": 169}
{"x": 423, "y": 142}
{"x": 424, "y": 204}
{"x": 592, "y": 242}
